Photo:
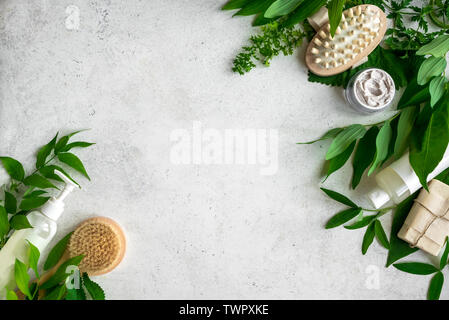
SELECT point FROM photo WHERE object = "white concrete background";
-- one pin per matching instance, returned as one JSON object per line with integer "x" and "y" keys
{"x": 135, "y": 71}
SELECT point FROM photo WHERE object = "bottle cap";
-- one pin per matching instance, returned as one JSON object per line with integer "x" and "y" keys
{"x": 378, "y": 197}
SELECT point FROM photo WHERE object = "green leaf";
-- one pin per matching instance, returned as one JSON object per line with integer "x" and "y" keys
{"x": 414, "y": 94}
{"x": 405, "y": 126}
{"x": 44, "y": 152}
{"x": 62, "y": 143}
{"x": 281, "y": 8}
{"x": 38, "y": 181}
{"x": 339, "y": 197}
{"x": 22, "y": 278}
{"x": 11, "y": 295}
{"x": 339, "y": 161}
{"x": 443, "y": 260}
{"x": 368, "y": 238}
{"x": 10, "y": 202}
{"x": 13, "y": 167}
{"x": 430, "y": 68}
{"x": 382, "y": 143}
{"x": 56, "y": 293}
{"x": 73, "y": 161}
{"x": 429, "y": 143}
{"x": 56, "y": 252}
{"x": 19, "y": 222}
{"x": 235, "y": 4}
{"x": 49, "y": 173}
{"x": 436, "y": 88}
{"x": 32, "y": 203}
{"x": 254, "y": 7}
{"x": 61, "y": 274}
{"x": 380, "y": 234}
{"x": 437, "y": 48}
{"x": 75, "y": 294}
{"x": 364, "y": 155}
{"x": 328, "y": 135}
{"x": 416, "y": 268}
{"x": 4, "y": 223}
{"x": 95, "y": 291}
{"x": 344, "y": 139}
{"x": 33, "y": 258}
{"x": 335, "y": 11}
{"x": 342, "y": 217}
{"x": 362, "y": 223}
{"x": 34, "y": 194}
{"x": 435, "y": 287}
{"x": 399, "y": 248}
{"x": 303, "y": 11}
{"x": 77, "y": 144}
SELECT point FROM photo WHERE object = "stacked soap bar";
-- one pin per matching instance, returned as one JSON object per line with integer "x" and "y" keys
{"x": 427, "y": 224}
{"x": 361, "y": 29}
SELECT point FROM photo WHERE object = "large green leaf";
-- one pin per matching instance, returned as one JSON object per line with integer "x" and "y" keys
{"x": 32, "y": 203}
{"x": 405, "y": 126}
{"x": 13, "y": 167}
{"x": 343, "y": 217}
{"x": 339, "y": 161}
{"x": 368, "y": 238}
{"x": 44, "y": 152}
{"x": 303, "y": 11}
{"x": 437, "y": 47}
{"x": 56, "y": 252}
{"x": 380, "y": 234}
{"x": 73, "y": 161}
{"x": 281, "y": 8}
{"x": 38, "y": 181}
{"x": 416, "y": 268}
{"x": 430, "y": 68}
{"x": 382, "y": 144}
{"x": 364, "y": 155}
{"x": 33, "y": 258}
{"x": 4, "y": 223}
{"x": 335, "y": 11}
{"x": 19, "y": 222}
{"x": 429, "y": 142}
{"x": 254, "y": 7}
{"x": 344, "y": 139}
{"x": 22, "y": 278}
{"x": 235, "y": 4}
{"x": 339, "y": 197}
{"x": 414, "y": 94}
{"x": 435, "y": 287}
{"x": 361, "y": 223}
{"x": 10, "y": 203}
{"x": 61, "y": 274}
{"x": 436, "y": 89}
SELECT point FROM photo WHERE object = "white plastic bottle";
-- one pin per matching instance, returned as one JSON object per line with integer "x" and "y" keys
{"x": 398, "y": 181}
{"x": 44, "y": 228}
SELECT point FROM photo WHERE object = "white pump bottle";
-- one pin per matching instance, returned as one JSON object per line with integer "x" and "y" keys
{"x": 44, "y": 228}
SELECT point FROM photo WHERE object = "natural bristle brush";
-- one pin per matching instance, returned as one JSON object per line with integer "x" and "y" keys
{"x": 360, "y": 31}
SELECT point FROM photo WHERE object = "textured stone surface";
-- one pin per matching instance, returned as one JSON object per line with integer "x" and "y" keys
{"x": 133, "y": 72}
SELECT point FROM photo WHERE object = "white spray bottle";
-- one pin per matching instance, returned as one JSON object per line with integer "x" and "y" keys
{"x": 44, "y": 228}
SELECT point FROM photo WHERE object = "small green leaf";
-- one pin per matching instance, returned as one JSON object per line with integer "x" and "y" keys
{"x": 362, "y": 223}
{"x": 22, "y": 278}
{"x": 13, "y": 167}
{"x": 11, "y": 295}
{"x": 437, "y": 47}
{"x": 49, "y": 173}
{"x": 10, "y": 202}
{"x": 364, "y": 155}
{"x": 75, "y": 294}
{"x": 254, "y": 7}
{"x": 61, "y": 274}
{"x": 416, "y": 268}
{"x": 32, "y": 203}
{"x": 235, "y": 4}
{"x": 56, "y": 293}
{"x": 33, "y": 258}
{"x": 405, "y": 125}
{"x": 95, "y": 291}
{"x": 368, "y": 238}
{"x": 281, "y": 8}
{"x": 435, "y": 287}
{"x": 414, "y": 94}
{"x": 73, "y": 161}
{"x": 34, "y": 194}
{"x": 443, "y": 260}
{"x": 303, "y": 11}
{"x": 342, "y": 217}
{"x": 56, "y": 252}
{"x": 382, "y": 143}
{"x": 335, "y": 12}
{"x": 430, "y": 68}
{"x": 380, "y": 234}
{"x": 4, "y": 223}
{"x": 77, "y": 144}
{"x": 328, "y": 135}
{"x": 44, "y": 152}
{"x": 339, "y": 161}
{"x": 436, "y": 88}
{"x": 344, "y": 139}
{"x": 339, "y": 197}
{"x": 19, "y": 222}
{"x": 38, "y": 181}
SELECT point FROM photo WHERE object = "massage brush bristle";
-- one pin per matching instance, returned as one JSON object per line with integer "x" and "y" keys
{"x": 360, "y": 30}
{"x": 101, "y": 241}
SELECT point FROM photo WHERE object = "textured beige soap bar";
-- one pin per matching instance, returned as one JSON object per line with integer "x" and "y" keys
{"x": 427, "y": 224}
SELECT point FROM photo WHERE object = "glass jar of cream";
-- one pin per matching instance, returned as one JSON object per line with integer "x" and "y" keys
{"x": 370, "y": 90}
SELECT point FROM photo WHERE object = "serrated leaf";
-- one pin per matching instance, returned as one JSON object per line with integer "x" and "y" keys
{"x": 4, "y": 223}
{"x": 342, "y": 217}
{"x": 13, "y": 167}
{"x": 344, "y": 139}
{"x": 33, "y": 258}
{"x": 364, "y": 155}
{"x": 443, "y": 259}
{"x": 436, "y": 88}
{"x": 435, "y": 287}
{"x": 368, "y": 238}
{"x": 380, "y": 234}
{"x": 56, "y": 252}
{"x": 362, "y": 223}
{"x": 44, "y": 152}
{"x": 73, "y": 161}
{"x": 32, "y": 203}
{"x": 38, "y": 181}
{"x": 339, "y": 161}
{"x": 281, "y": 8}
{"x": 61, "y": 274}
{"x": 328, "y": 135}
{"x": 335, "y": 12}
{"x": 94, "y": 290}
{"x": 419, "y": 268}
{"x": 10, "y": 202}
{"x": 430, "y": 68}
{"x": 303, "y": 11}
{"x": 405, "y": 126}
{"x": 437, "y": 47}
{"x": 22, "y": 278}
{"x": 19, "y": 222}
{"x": 382, "y": 143}
{"x": 339, "y": 197}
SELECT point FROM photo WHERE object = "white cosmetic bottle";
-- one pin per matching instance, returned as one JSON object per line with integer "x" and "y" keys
{"x": 44, "y": 229}
{"x": 398, "y": 181}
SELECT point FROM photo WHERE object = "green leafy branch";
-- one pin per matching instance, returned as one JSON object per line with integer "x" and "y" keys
{"x": 24, "y": 193}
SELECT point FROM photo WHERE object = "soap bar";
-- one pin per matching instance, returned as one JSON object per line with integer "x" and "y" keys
{"x": 427, "y": 224}
{"x": 318, "y": 19}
